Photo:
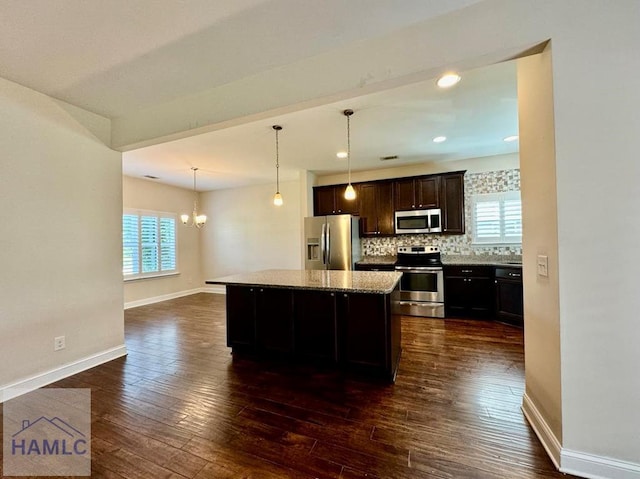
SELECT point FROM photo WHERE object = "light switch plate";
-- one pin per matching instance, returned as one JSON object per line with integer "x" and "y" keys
{"x": 543, "y": 265}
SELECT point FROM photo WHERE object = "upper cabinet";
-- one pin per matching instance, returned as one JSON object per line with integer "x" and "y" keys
{"x": 377, "y": 201}
{"x": 417, "y": 193}
{"x": 329, "y": 200}
{"x": 452, "y": 202}
{"x": 376, "y": 208}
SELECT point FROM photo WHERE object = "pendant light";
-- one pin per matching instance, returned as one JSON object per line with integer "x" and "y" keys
{"x": 349, "y": 192}
{"x": 277, "y": 198}
{"x": 196, "y": 219}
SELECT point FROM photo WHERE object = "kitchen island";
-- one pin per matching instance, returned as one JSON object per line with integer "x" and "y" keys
{"x": 344, "y": 319}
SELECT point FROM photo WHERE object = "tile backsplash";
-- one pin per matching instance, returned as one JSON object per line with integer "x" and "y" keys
{"x": 487, "y": 182}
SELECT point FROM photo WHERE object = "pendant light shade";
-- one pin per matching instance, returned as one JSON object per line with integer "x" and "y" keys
{"x": 349, "y": 192}
{"x": 277, "y": 198}
{"x": 196, "y": 219}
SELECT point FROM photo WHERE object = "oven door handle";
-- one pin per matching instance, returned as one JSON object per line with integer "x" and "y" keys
{"x": 419, "y": 268}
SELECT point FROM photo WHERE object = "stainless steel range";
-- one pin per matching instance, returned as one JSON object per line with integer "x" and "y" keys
{"x": 422, "y": 283}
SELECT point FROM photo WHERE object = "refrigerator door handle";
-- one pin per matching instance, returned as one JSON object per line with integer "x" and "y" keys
{"x": 328, "y": 243}
{"x": 323, "y": 245}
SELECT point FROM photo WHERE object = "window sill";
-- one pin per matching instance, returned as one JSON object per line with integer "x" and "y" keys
{"x": 151, "y": 276}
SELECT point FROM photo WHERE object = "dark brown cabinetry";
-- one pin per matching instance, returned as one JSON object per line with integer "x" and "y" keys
{"x": 365, "y": 330}
{"x": 377, "y": 201}
{"x": 468, "y": 291}
{"x": 260, "y": 319}
{"x": 452, "y": 203}
{"x": 375, "y": 267}
{"x": 274, "y": 316}
{"x": 241, "y": 317}
{"x": 417, "y": 193}
{"x": 376, "y": 208}
{"x": 353, "y": 330}
{"x": 315, "y": 325}
{"x": 371, "y": 335}
{"x": 508, "y": 287}
{"x": 330, "y": 200}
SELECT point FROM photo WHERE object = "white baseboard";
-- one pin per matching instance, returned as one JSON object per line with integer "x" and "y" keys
{"x": 37, "y": 381}
{"x": 215, "y": 289}
{"x": 541, "y": 428}
{"x": 164, "y": 297}
{"x": 597, "y": 467}
{"x": 574, "y": 462}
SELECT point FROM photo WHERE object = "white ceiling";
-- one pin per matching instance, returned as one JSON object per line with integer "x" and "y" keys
{"x": 117, "y": 57}
{"x": 474, "y": 115}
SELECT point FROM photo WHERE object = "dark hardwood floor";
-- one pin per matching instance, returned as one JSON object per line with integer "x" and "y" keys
{"x": 180, "y": 406}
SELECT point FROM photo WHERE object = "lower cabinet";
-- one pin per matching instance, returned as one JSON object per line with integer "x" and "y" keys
{"x": 241, "y": 317}
{"x": 364, "y": 320}
{"x": 354, "y": 330}
{"x": 468, "y": 291}
{"x": 509, "y": 304}
{"x": 260, "y": 319}
{"x": 274, "y": 320}
{"x": 315, "y": 325}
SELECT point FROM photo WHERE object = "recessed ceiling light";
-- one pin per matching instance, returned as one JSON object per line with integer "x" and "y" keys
{"x": 342, "y": 155}
{"x": 510, "y": 138}
{"x": 439, "y": 139}
{"x": 448, "y": 80}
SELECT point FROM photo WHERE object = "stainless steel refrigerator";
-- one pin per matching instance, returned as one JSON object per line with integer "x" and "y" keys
{"x": 332, "y": 242}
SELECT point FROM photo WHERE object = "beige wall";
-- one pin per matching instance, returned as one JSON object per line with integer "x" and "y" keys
{"x": 246, "y": 232}
{"x": 149, "y": 195}
{"x": 596, "y": 96}
{"x": 471, "y": 165}
{"x": 540, "y": 237}
{"x": 60, "y": 240}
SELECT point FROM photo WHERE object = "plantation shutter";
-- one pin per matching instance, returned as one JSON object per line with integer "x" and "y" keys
{"x": 130, "y": 253}
{"x": 148, "y": 244}
{"x": 167, "y": 244}
{"x": 497, "y": 217}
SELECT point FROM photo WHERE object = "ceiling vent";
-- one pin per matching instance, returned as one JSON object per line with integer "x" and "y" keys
{"x": 151, "y": 177}
{"x": 388, "y": 158}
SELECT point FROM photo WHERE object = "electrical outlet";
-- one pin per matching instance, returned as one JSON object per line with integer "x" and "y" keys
{"x": 543, "y": 266}
{"x": 58, "y": 343}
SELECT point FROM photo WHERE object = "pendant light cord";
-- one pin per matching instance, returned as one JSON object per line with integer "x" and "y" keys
{"x": 195, "y": 192}
{"x": 349, "y": 146}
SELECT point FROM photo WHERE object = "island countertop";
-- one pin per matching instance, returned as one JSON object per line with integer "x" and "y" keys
{"x": 330, "y": 280}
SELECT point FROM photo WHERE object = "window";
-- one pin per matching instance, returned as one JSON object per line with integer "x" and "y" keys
{"x": 497, "y": 218}
{"x": 148, "y": 244}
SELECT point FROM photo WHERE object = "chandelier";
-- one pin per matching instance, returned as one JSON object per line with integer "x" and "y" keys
{"x": 196, "y": 219}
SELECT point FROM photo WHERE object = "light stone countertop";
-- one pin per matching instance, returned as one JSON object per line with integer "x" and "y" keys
{"x": 486, "y": 260}
{"x": 378, "y": 282}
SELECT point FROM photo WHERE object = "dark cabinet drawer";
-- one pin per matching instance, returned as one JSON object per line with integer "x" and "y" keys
{"x": 509, "y": 297}
{"x": 469, "y": 271}
{"x": 513, "y": 273}
{"x": 375, "y": 267}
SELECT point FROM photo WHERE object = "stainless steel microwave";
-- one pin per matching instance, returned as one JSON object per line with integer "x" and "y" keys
{"x": 418, "y": 221}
